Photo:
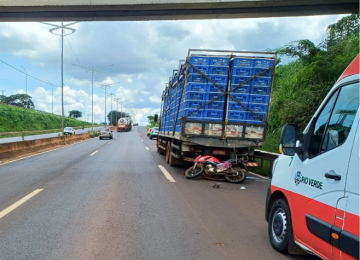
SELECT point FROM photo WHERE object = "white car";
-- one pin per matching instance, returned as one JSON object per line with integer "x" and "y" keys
{"x": 69, "y": 131}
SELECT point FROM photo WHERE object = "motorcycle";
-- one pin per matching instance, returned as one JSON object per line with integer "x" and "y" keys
{"x": 211, "y": 168}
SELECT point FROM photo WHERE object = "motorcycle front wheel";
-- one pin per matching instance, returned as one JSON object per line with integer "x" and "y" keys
{"x": 193, "y": 173}
{"x": 236, "y": 176}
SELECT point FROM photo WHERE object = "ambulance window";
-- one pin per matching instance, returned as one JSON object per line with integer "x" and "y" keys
{"x": 334, "y": 123}
{"x": 320, "y": 126}
{"x": 342, "y": 117}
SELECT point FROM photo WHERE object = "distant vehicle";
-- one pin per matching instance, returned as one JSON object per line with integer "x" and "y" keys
{"x": 124, "y": 124}
{"x": 135, "y": 124}
{"x": 69, "y": 131}
{"x": 154, "y": 133}
{"x": 106, "y": 133}
{"x": 148, "y": 131}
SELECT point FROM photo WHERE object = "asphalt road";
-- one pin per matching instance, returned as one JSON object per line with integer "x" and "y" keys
{"x": 108, "y": 199}
{"x": 35, "y": 137}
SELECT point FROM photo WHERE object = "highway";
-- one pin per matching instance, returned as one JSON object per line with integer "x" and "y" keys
{"x": 109, "y": 199}
{"x": 41, "y": 136}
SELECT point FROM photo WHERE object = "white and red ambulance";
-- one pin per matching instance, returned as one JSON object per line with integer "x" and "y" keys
{"x": 313, "y": 199}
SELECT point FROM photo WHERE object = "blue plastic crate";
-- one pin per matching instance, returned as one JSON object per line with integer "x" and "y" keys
{"x": 258, "y": 108}
{"x": 177, "y": 129}
{"x": 257, "y": 90}
{"x": 222, "y": 70}
{"x": 194, "y": 104}
{"x": 195, "y": 96}
{"x": 243, "y": 71}
{"x": 166, "y": 128}
{"x": 196, "y": 87}
{"x": 252, "y": 117}
{"x": 237, "y": 116}
{"x": 172, "y": 105}
{"x": 171, "y": 117}
{"x": 236, "y": 80}
{"x": 203, "y": 68}
{"x": 219, "y": 61}
{"x": 218, "y": 79}
{"x": 214, "y": 89}
{"x": 243, "y": 98}
{"x": 197, "y": 78}
{"x": 259, "y": 70}
{"x": 242, "y": 89}
{"x": 199, "y": 60}
{"x": 263, "y": 63}
{"x": 211, "y": 96}
{"x": 243, "y": 62}
{"x": 198, "y": 115}
{"x": 237, "y": 107}
{"x": 259, "y": 99}
{"x": 215, "y": 105}
{"x": 260, "y": 81}
{"x": 215, "y": 115}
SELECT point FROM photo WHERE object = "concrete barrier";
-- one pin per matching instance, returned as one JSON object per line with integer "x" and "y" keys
{"x": 17, "y": 149}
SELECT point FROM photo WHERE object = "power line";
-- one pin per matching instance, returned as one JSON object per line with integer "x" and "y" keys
{"x": 73, "y": 51}
{"x": 28, "y": 74}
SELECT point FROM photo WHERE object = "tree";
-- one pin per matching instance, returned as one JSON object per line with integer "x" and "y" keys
{"x": 151, "y": 121}
{"x": 75, "y": 114}
{"x": 20, "y": 100}
{"x": 113, "y": 116}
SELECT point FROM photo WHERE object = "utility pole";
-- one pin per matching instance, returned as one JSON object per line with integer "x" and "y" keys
{"x": 117, "y": 107}
{"x": 2, "y": 96}
{"x": 93, "y": 71}
{"x": 106, "y": 86}
{"x": 25, "y": 77}
{"x": 72, "y": 30}
{"x": 111, "y": 95}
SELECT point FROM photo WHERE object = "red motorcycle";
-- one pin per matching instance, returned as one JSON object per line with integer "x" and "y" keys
{"x": 211, "y": 168}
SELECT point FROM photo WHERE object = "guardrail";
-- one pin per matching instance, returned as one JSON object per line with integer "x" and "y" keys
{"x": 42, "y": 131}
{"x": 267, "y": 156}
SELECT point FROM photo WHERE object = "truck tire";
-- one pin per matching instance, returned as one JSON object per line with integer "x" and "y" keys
{"x": 280, "y": 225}
{"x": 168, "y": 152}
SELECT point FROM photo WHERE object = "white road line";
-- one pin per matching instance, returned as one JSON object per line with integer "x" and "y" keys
{"x": 18, "y": 203}
{"x": 142, "y": 140}
{"x": 166, "y": 174}
{"x": 109, "y": 142}
{"x": 147, "y": 148}
{"x": 94, "y": 153}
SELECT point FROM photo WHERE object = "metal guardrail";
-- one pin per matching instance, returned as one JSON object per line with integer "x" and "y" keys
{"x": 267, "y": 156}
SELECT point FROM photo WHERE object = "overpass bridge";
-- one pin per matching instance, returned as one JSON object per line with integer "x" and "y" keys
{"x": 143, "y": 10}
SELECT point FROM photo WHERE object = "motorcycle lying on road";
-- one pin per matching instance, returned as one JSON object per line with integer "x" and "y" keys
{"x": 211, "y": 168}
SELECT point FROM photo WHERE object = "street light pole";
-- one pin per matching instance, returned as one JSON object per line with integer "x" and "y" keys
{"x": 72, "y": 30}
{"x": 111, "y": 94}
{"x": 106, "y": 86}
{"x": 25, "y": 78}
{"x": 117, "y": 108}
{"x": 93, "y": 71}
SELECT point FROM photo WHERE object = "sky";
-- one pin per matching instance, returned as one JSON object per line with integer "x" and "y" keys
{"x": 142, "y": 56}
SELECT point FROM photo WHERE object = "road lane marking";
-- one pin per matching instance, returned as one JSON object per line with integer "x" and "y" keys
{"x": 18, "y": 203}
{"x": 147, "y": 148}
{"x": 142, "y": 140}
{"x": 109, "y": 142}
{"x": 94, "y": 153}
{"x": 166, "y": 174}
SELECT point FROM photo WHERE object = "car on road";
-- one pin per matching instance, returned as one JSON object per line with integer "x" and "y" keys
{"x": 105, "y": 133}
{"x": 154, "y": 132}
{"x": 69, "y": 131}
{"x": 148, "y": 131}
{"x": 135, "y": 124}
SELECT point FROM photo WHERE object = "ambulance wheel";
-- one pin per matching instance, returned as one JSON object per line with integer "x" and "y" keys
{"x": 280, "y": 225}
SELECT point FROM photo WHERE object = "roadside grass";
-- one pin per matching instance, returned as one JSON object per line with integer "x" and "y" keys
{"x": 17, "y": 119}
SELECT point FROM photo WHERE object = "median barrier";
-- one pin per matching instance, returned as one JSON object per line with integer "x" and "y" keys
{"x": 17, "y": 149}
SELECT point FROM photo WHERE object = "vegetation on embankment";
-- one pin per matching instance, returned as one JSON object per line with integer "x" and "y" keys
{"x": 301, "y": 85}
{"x": 17, "y": 119}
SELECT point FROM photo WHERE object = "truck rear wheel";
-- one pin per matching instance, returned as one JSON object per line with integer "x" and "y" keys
{"x": 168, "y": 150}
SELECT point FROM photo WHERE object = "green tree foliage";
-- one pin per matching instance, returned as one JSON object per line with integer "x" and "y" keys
{"x": 151, "y": 122}
{"x": 75, "y": 114}
{"x": 301, "y": 85}
{"x": 20, "y": 100}
{"x": 113, "y": 116}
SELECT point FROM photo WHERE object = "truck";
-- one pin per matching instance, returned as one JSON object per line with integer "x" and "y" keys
{"x": 313, "y": 200}
{"x": 216, "y": 103}
{"x": 124, "y": 124}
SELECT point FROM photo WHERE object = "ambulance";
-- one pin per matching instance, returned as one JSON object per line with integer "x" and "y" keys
{"x": 313, "y": 200}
